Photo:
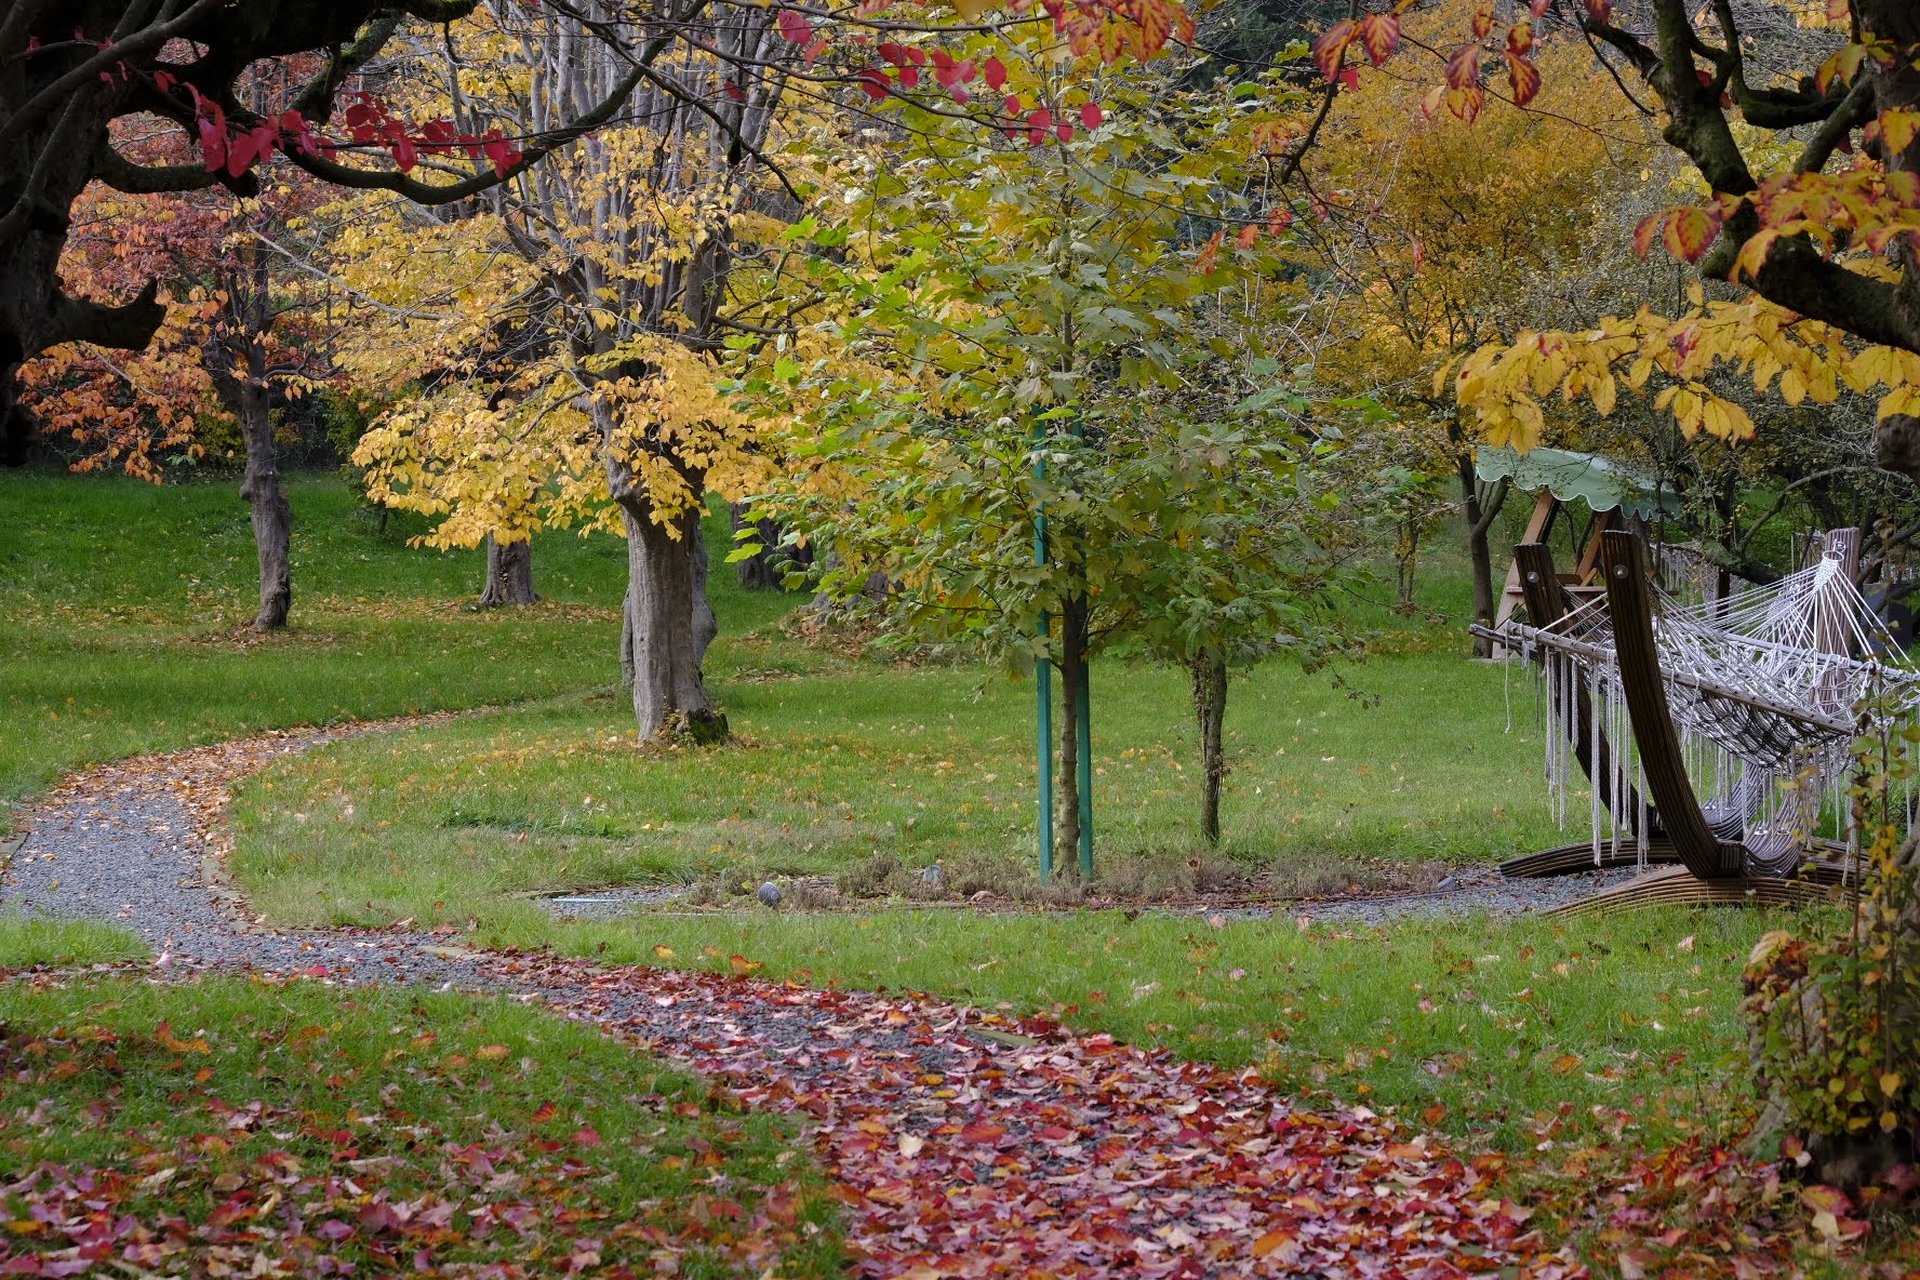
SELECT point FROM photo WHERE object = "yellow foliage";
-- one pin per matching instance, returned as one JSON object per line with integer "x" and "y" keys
{"x": 1781, "y": 353}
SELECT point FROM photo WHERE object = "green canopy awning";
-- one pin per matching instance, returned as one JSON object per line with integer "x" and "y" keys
{"x": 1601, "y": 483}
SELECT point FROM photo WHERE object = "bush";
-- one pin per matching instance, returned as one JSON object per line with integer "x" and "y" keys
{"x": 1835, "y": 1018}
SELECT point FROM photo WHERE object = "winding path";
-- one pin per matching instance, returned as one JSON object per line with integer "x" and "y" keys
{"x": 963, "y": 1143}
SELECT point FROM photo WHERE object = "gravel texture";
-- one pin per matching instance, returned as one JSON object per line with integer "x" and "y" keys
{"x": 964, "y": 1142}
{"x": 1466, "y": 892}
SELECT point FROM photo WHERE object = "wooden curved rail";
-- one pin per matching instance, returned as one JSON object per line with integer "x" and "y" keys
{"x": 1546, "y": 602}
{"x": 1623, "y": 562}
{"x": 1676, "y": 886}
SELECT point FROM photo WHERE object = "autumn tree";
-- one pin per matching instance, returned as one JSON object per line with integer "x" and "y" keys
{"x": 75, "y": 68}
{"x": 241, "y": 335}
{"x": 1440, "y": 237}
{"x": 1802, "y": 126}
{"x": 572, "y": 374}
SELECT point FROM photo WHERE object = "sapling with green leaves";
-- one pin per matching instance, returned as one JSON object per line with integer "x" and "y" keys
{"x": 1034, "y": 331}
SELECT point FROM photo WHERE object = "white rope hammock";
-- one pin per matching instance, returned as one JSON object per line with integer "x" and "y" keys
{"x": 1763, "y": 689}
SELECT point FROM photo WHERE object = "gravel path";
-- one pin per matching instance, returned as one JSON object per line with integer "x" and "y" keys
{"x": 1470, "y": 890}
{"x": 963, "y": 1143}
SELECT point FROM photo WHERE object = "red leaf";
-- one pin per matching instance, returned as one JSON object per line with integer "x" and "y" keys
{"x": 1064, "y": 130}
{"x": 1463, "y": 67}
{"x": 544, "y": 1112}
{"x": 1524, "y": 77}
{"x": 794, "y": 26}
{"x": 1091, "y": 115}
{"x": 873, "y": 83}
{"x": 984, "y": 1131}
{"x": 404, "y": 154}
{"x": 894, "y": 52}
{"x": 1379, "y": 36}
{"x": 438, "y": 137}
{"x": 240, "y": 154}
{"x": 1248, "y": 234}
{"x": 1599, "y": 10}
{"x": 1646, "y": 231}
{"x": 1330, "y": 50}
{"x": 909, "y": 77}
{"x": 995, "y": 72}
{"x": 213, "y": 144}
{"x": 1688, "y": 232}
{"x": 1519, "y": 39}
{"x": 503, "y": 155}
{"x": 1482, "y": 19}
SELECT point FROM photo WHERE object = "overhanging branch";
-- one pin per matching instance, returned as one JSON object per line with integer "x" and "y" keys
{"x": 127, "y": 327}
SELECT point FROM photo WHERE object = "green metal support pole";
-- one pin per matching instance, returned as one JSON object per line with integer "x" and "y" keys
{"x": 1083, "y": 735}
{"x": 1043, "y": 685}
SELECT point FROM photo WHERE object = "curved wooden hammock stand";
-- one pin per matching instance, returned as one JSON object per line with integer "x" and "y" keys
{"x": 1678, "y": 829}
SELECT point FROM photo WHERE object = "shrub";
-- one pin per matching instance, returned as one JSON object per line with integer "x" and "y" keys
{"x": 1835, "y": 1016}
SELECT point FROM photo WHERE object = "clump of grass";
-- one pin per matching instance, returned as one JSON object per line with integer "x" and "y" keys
{"x": 41, "y": 941}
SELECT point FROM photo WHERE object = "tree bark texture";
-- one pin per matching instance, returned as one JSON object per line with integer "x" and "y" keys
{"x": 1210, "y": 706}
{"x": 705, "y": 625}
{"x": 1073, "y": 683}
{"x": 1406, "y": 563}
{"x": 509, "y": 574}
{"x": 669, "y": 695}
{"x": 1480, "y": 504}
{"x": 266, "y": 501}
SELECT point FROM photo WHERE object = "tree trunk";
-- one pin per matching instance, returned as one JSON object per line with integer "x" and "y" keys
{"x": 705, "y": 625}
{"x": 626, "y": 637}
{"x": 669, "y": 696}
{"x": 762, "y": 570}
{"x": 1210, "y": 706}
{"x": 1406, "y": 563}
{"x": 1073, "y": 683}
{"x": 1480, "y": 504}
{"x": 260, "y": 486}
{"x": 509, "y": 574}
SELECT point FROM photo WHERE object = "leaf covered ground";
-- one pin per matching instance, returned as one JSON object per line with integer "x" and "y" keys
{"x": 253, "y": 1128}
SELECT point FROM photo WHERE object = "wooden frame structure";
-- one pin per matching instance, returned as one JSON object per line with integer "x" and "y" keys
{"x": 1545, "y": 595}
{"x": 1581, "y": 582}
{"x": 1713, "y": 868}
{"x": 1678, "y": 827}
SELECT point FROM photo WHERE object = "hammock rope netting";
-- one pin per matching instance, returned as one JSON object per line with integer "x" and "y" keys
{"x": 1767, "y": 689}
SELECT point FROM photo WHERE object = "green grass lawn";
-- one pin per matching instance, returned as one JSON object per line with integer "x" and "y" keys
{"x": 124, "y": 600}
{"x": 42, "y": 940}
{"x": 236, "y": 1122}
{"x": 850, "y": 761}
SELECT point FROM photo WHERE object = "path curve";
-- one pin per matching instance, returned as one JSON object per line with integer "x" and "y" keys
{"x": 962, "y": 1143}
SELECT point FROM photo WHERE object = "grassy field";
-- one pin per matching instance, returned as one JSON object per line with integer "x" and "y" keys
{"x": 124, "y": 601}
{"x": 291, "y": 1124}
{"x": 850, "y": 761}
